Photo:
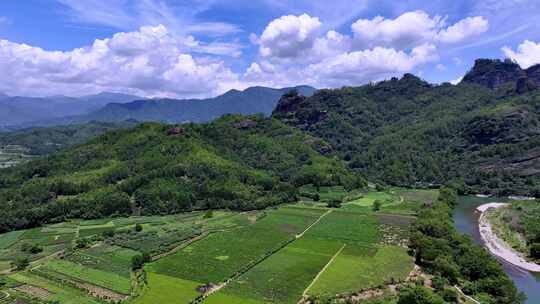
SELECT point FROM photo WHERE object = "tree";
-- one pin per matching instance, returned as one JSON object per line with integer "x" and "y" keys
{"x": 138, "y": 261}
{"x": 138, "y": 227}
{"x": 377, "y": 205}
{"x": 535, "y": 250}
{"x": 419, "y": 295}
{"x": 334, "y": 203}
{"x": 209, "y": 214}
{"x": 21, "y": 263}
{"x": 81, "y": 243}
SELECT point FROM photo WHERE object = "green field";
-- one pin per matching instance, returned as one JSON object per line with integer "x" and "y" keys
{"x": 58, "y": 292}
{"x": 106, "y": 258}
{"x": 220, "y": 255}
{"x": 8, "y": 239}
{"x": 284, "y": 276}
{"x": 271, "y": 256}
{"x": 78, "y": 272}
{"x": 166, "y": 289}
{"x": 357, "y": 268}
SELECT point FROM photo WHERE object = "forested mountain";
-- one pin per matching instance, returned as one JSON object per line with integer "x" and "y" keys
{"x": 408, "y": 132}
{"x": 235, "y": 162}
{"x": 250, "y": 101}
{"x": 19, "y": 110}
{"x": 42, "y": 141}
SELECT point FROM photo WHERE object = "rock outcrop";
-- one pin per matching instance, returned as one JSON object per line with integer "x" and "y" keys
{"x": 495, "y": 74}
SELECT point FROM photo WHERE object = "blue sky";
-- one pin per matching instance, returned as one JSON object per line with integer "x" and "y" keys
{"x": 203, "y": 48}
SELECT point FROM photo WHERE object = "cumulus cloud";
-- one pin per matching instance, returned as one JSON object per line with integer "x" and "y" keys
{"x": 149, "y": 62}
{"x": 347, "y": 68}
{"x": 289, "y": 36}
{"x": 368, "y": 65}
{"x": 409, "y": 29}
{"x": 413, "y": 28}
{"x": 527, "y": 54}
{"x": 464, "y": 29}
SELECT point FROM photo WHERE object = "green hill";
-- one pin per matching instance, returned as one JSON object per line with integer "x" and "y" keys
{"x": 235, "y": 162}
{"x": 408, "y": 132}
{"x": 42, "y": 141}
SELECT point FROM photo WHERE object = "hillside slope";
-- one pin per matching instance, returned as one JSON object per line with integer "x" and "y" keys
{"x": 235, "y": 162}
{"x": 42, "y": 141}
{"x": 408, "y": 132}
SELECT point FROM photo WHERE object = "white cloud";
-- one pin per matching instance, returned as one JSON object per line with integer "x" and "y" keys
{"x": 414, "y": 28}
{"x": 457, "y": 60}
{"x": 465, "y": 28}
{"x": 148, "y": 62}
{"x": 289, "y": 36}
{"x": 440, "y": 67}
{"x": 347, "y": 68}
{"x": 407, "y": 30}
{"x": 359, "y": 67}
{"x": 527, "y": 54}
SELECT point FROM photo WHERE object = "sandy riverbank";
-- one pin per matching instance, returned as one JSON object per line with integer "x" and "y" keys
{"x": 496, "y": 245}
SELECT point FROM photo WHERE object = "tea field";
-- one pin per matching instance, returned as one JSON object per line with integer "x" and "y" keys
{"x": 278, "y": 255}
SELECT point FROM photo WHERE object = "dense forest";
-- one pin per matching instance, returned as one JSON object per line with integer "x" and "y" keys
{"x": 43, "y": 141}
{"x": 407, "y": 132}
{"x": 235, "y": 162}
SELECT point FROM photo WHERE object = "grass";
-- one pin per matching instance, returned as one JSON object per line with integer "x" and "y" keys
{"x": 59, "y": 292}
{"x": 204, "y": 260}
{"x": 166, "y": 289}
{"x": 370, "y": 197}
{"x": 93, "y": 276}
{"x": 502, "y": 228}
{"x": 357, "y": 269}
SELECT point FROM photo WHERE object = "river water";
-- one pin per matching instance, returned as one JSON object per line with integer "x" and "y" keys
{"x": 466, "y": 221}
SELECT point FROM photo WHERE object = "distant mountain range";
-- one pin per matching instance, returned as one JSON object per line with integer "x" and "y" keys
{"x": 107, "y": 109}
{"x": 18, "y": 110}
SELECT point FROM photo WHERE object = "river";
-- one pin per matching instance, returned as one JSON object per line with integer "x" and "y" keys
{"x": 466, "y": 221}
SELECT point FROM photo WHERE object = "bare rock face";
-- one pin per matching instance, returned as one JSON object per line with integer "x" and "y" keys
{"x": 175, "y": 131}
{"x": 245, "y": 124}
{"x": 290, "y": 102}
{"x": 494, "y": 74}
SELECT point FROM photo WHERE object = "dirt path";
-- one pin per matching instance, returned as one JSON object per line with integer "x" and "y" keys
{"x": 314, "y": 223}
{"x": 323, "y": 270}
{"x": 466, "y": 296}
{"x": 496, "y": 245}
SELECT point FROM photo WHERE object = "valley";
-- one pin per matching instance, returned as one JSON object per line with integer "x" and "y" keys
{"x": 279, "y": 255}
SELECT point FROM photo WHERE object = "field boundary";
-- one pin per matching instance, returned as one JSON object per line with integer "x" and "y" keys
{"x": 251, "y": 265}
{"x": 313, "y": 224}
{"x": 181, "y": 246}
{"x": 323, "y": 270}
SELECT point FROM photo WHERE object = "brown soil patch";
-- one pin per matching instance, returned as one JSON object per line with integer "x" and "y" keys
{"x": 101, "y": 293}
{"x": 34, "y": 291}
